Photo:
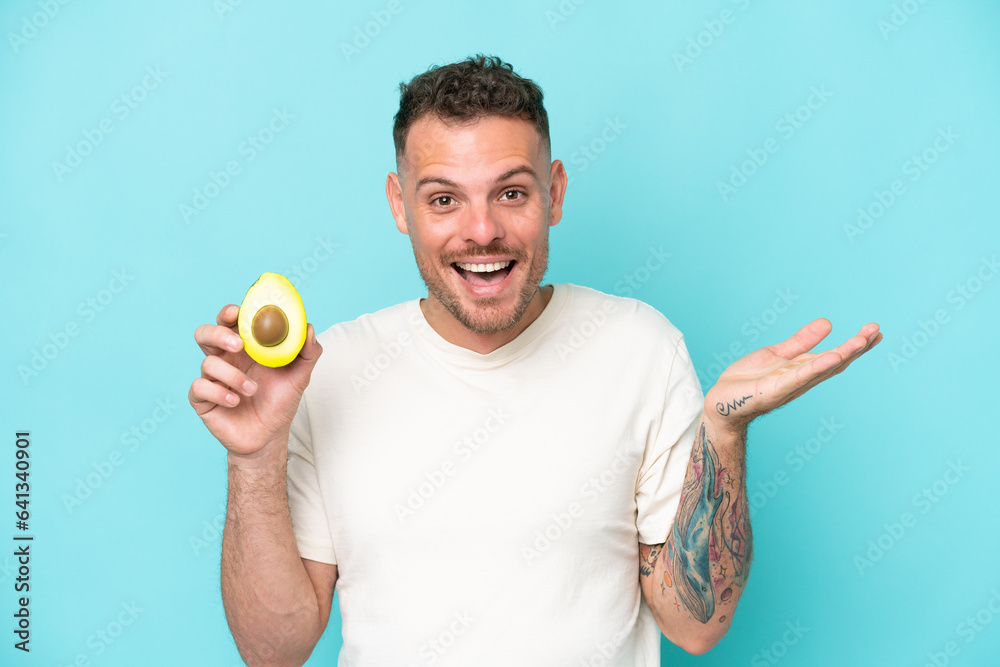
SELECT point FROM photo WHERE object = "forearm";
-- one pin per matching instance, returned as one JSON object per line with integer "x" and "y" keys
{"x": 269, "y": 599}
{"x": 698, "y": 574}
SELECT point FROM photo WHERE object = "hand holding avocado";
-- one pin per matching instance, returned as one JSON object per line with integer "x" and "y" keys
{"x": 248, "y": 405}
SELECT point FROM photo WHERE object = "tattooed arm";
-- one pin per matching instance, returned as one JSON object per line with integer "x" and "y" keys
{"x": 694, "y": 578}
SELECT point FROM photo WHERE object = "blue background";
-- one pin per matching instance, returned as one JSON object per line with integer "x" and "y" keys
{"x": 146, "y": 535}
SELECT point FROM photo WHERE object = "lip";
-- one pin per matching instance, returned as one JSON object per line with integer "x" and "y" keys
{"x": 485, "y": 291}
{"x": 484, "y": 260}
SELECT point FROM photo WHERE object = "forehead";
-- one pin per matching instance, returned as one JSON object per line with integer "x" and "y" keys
{"x": 482, "y": 145}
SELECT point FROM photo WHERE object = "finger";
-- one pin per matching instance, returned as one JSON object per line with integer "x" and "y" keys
{"x": 214, "y": 368}
{"x": 857, "y": 344}
{"x": 795, "y": 379}
{"x": 803, "y": 374}
{"x": 213, "y": 338}
{"x": 804, "y": 339}
{"x": 868, "y": 333}
{"x": 873, "y": 340}
{"x": 821, "y": 367}
{"x": 311, "y": 349}
{"x": 206, "y": 395}
{"x": 867, "y": 338}
{"x": 228, "y": 315}
{"x": 842, "y": 366}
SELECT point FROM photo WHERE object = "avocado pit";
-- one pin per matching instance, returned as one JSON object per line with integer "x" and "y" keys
{"x": 269, "y": 326}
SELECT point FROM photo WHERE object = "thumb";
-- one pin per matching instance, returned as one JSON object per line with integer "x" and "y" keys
{"x": 311, "y": 349}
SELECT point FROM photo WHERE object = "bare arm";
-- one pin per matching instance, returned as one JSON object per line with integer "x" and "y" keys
{"x": 693, "y": 580}
{"x": 277, "y": 604}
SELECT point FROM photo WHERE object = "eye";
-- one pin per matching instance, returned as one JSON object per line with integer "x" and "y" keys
{"x": 448, "y": 199}
{"x": 522, "y": 194}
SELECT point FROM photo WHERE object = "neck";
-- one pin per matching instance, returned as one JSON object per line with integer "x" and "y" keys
{"x": 452, "y": 330}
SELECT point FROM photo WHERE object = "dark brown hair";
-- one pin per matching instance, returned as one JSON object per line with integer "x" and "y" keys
{"x": 475, "y": 87}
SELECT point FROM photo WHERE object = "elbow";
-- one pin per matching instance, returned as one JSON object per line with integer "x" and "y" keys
{"x": 277, "y": 646}
{"x": 265, "y": 660}
{"x": 692, "y": 636}
{"x": 699, "y": 646}
{"x": 700, "y": 643}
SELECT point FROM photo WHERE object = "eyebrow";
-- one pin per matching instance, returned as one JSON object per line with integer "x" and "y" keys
{"x": 522, "y": 169}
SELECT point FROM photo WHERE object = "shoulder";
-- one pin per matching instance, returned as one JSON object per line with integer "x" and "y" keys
{"x": 367, "y": 329}
{"x": 366, "y": 338}
{"x": 627, "y": 317}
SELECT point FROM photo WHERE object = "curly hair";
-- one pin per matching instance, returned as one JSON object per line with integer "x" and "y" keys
{"x": 472, "y": 88}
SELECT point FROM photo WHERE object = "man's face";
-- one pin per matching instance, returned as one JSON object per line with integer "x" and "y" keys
{"x": 475, "y": 194}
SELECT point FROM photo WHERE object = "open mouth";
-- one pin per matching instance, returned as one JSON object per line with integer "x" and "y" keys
{"x": 484, "y": 274}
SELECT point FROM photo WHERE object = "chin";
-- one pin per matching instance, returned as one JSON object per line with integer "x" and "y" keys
{"x": 491, "y": 314}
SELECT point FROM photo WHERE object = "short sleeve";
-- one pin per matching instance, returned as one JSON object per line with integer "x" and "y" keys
{"x": 305, "y": 502}
{"x": 668, "y": 449}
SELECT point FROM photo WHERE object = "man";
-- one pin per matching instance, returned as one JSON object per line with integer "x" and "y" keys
{"x": 501, "y": 473}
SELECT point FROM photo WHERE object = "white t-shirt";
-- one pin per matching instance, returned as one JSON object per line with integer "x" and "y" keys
{"x": 487, "y": 509}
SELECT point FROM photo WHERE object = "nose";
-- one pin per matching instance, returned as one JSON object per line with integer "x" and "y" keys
{"x": 481, "y": 224}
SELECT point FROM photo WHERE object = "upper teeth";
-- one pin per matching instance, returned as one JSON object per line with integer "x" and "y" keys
{"x": 480, "y": 268}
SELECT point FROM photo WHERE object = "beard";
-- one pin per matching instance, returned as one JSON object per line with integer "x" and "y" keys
{"x": 488, "y": 315}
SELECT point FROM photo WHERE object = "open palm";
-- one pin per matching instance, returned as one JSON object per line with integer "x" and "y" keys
{"x": 769, "y": 377}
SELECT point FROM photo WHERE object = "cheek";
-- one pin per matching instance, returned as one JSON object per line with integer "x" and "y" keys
{"x": 432, "y": 248}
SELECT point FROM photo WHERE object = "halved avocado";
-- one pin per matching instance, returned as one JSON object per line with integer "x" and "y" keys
{"x": 272, "y": 321}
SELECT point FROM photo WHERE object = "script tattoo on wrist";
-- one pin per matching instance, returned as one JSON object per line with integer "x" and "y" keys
{"x": 725, "y": 408}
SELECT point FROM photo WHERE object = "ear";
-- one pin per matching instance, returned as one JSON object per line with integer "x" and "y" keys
{"x": 558, "y": 181}
{"x": 394, "y": 193}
